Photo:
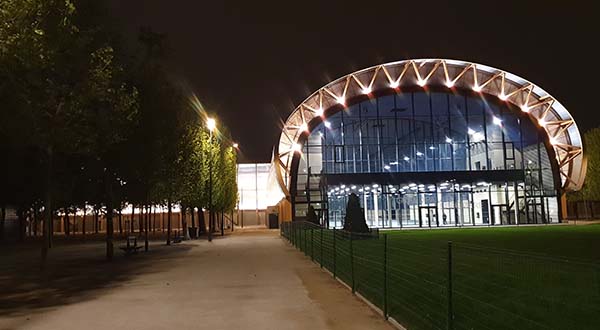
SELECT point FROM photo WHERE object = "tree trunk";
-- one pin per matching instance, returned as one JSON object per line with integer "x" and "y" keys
{"x": 192, "y": 215}
{"x": 35, "y": 221}
{"x": 66, "y": 222}
{"x": 222, "y": 223}
{"x": 169, "y": 223}
{"x": 51, "y": 224}
{"x": 83, "y": 221}
{"x": 146, "y": 227}
{"x": 184, "y": 222}
{"x": 109, "y": 232}
{"x": 96, "y": 221}
{"x": 20, "y": 216}
{"x": 2, "y": 221}
{"x": 48, "y": 207}
{"x": 201, "y": 222}
{"x": 154, "y": 221}
{"x": 109, "y": 218}
{"x": 30, "y": 226}
{"x": 141, "y": 220}
{"x": 132, "y": 218}
{"x": 120, "y": 221}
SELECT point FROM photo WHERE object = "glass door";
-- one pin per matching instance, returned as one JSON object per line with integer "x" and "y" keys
{"x": 428, "y": 216}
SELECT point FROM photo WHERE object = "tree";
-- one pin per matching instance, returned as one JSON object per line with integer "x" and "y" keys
{"x": 65, "y": 89}
{"x": 354, "y": 221}
{"x": 591, "y": 186}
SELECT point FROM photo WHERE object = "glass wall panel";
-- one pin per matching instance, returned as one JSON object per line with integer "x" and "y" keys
{"x": 430, "y": 132}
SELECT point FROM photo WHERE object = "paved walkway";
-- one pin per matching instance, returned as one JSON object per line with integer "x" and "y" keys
{"x": 250, "y": 280}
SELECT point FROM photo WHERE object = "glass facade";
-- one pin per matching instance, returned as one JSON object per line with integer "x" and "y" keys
{"x": 252, "y": 180}
{"x": 428, "y": 159}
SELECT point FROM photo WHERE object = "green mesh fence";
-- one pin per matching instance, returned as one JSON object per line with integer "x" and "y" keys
{"x": 440, "y": 285}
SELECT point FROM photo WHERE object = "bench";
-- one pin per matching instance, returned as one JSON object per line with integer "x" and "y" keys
{"x": 177, "y": 238}
{"x": 131, "y": 246}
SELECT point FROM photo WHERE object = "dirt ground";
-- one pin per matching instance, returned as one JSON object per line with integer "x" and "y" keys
{"x": 247, "y": 280}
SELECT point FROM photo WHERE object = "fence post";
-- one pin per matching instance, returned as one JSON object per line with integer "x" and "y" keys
{"x": 334, "y": 252}
{"x": 352, "y": 263}
{"x": 450, "y": 310}
{"x": 312, "y": 244}
{"x": 300, "y": 236}
{"x": 321, "y": 247}
{"x": 304, "y": 242}
{"x": 385, "y": 293}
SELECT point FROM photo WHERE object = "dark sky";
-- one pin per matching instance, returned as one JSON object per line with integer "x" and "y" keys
{"x": 252, "y": 62}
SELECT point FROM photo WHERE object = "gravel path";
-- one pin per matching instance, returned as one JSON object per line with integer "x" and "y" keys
{"x": 248, "y": 280}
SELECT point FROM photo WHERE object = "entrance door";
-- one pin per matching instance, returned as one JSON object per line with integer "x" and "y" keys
{"x": 428, "y": 216}
{"x": 485, "y": 211}
{"x": 500, "y": 214}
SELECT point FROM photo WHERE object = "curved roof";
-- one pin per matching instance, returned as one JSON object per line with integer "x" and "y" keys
{"x": 542, "y": 108}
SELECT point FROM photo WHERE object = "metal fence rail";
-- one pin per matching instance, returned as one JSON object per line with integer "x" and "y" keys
{"x": 425, "y": 285}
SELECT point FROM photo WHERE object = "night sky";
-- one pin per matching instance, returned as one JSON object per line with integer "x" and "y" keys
{"x": 252, "y": 62}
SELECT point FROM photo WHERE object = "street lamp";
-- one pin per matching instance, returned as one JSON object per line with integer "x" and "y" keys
{"x": 211, "y": 124}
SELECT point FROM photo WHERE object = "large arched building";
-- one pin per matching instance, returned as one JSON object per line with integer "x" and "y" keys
{"x": 430, "y": 143}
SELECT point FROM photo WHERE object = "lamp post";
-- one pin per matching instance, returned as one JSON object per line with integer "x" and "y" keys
{"x": 211, "y": 124}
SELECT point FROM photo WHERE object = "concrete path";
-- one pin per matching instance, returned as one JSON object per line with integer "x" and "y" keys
{"x": 250, "y": 280}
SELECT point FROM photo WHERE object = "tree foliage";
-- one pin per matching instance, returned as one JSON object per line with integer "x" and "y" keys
{"x": 87, "y": 123}
{"x": 591, "y": 187}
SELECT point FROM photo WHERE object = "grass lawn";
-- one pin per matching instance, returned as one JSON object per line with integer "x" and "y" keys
{"x": 545, "y": 277}
{"x": 562, "y": 241}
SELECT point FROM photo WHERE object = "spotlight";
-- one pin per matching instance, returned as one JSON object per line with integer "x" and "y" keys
{"x": 296, "y": 147}
{"x": 320, "y": 111}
